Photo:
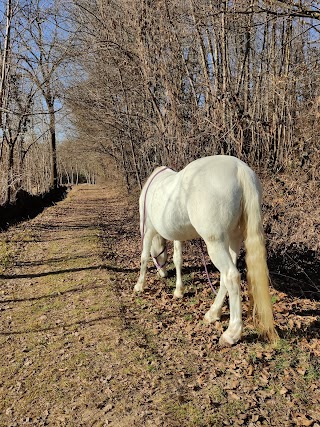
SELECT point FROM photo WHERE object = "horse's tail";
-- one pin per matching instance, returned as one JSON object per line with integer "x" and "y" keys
{"x": 257, "y": 269}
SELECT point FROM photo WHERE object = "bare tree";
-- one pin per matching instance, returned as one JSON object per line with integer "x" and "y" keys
{"x": 16, "y": 106}
{"x": 37, "y": 43}
{"x": 46, "y": 47}
{"x": 170, "y": 81}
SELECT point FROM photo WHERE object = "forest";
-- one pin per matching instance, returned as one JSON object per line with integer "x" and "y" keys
{"x": 100, "y": 93}
{"x": 93, "y": 90}
{"x": 96, "y": 88}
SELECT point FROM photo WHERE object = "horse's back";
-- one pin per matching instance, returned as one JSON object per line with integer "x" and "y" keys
{"x": 219, "y": 166}
{"x": 203, "y": 199}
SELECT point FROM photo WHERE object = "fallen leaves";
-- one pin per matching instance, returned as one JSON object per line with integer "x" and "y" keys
{"x": 155, "y": 362}
{"x": 302, "y": 420}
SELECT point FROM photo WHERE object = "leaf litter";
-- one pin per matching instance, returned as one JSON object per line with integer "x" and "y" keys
{"x": 81, "y": 349}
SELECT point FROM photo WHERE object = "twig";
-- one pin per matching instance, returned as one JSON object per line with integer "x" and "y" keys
{"x": 301, "y": 269}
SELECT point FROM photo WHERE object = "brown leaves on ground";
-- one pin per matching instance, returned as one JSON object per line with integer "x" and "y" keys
{"x": 79, "y": 348}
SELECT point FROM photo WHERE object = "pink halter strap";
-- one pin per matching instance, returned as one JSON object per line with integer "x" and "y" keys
{"x": 155, "y": 259}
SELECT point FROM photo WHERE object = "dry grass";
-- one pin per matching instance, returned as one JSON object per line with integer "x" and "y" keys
{"x": 292, "y": 223}
{"x": 79, "y": 349}
{"x": 292, "y": 211}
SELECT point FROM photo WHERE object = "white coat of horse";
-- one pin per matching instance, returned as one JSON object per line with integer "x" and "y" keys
{"x": 217, "y": 198}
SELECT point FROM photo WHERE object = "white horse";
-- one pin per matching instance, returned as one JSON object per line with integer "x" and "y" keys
{"x": 218, "y": 199}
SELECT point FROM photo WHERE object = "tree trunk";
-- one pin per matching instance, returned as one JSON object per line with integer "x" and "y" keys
{"x": 4, "y": 69}
{"x": 53, "y": 146}
{"x": 10, "y": 174}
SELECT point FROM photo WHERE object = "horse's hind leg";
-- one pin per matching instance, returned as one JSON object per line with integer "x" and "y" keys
{"x": 145, "y": 255}
{"x": 230, "y": 278}
{"x": 177, "y": 259}
{"x": 214, "y": 313}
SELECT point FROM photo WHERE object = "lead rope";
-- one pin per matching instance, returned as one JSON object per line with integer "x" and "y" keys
{"x": 205, "y": 268}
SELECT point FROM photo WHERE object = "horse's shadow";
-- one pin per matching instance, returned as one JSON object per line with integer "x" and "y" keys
{"x": 296, "y": 272}
{"x": 312, "y": 331}
{"x": 194, "y": 269}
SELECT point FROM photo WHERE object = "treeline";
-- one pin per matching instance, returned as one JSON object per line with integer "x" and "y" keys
{"x": 37, "y": 45}
{"x": 169, "y": 81}
{"x": 156, "y": 82}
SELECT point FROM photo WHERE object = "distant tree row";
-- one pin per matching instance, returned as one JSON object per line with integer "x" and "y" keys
{"x": 169, "y": 81}
{"x": 147, "y": 82}
{"x": 37, "y": 46}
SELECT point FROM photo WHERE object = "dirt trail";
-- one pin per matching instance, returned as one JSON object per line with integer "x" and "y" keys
{"x": 79, "y": 349}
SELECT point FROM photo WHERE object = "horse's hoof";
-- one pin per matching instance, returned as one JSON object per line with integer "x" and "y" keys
{"x": 223, "y": 342}
{"x": 163, "y": 273}
{"x": 177, "y": 295}
{"x": 138, "y": 289}
{"x": 209, "y": 318}
{"x": 226, "y": 341}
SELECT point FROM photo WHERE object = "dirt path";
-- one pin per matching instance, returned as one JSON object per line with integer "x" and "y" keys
{"x": 79, "y": 349}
